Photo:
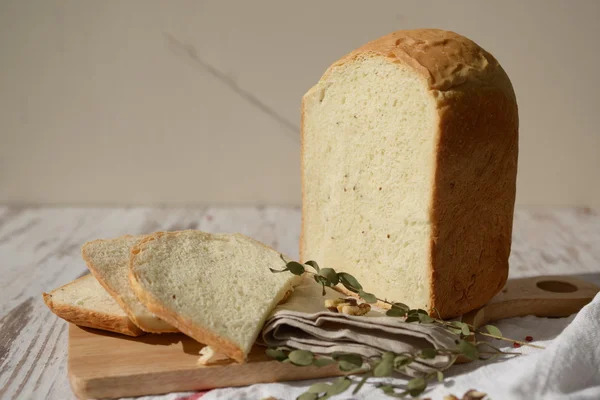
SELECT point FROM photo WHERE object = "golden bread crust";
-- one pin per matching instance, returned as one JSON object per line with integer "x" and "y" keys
{"x": 473, "y": 200}
{"x": 91, "y": 319}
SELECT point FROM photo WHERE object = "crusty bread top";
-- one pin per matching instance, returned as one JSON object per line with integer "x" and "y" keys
{"x": 446, "y": 59}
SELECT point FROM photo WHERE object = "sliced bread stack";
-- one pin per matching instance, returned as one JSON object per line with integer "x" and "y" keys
{"x": 108, "y": 260}
{"x": 84, "y": 302}
{"x": 215, "y": 288}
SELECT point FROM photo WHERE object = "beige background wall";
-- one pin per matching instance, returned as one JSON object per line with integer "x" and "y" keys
{"x": 190, "y": 102}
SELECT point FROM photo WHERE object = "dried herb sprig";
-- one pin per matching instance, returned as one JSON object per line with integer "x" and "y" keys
{"x": 377, "y": 367}
{"x": 330, "y": 278}
{"x": 389, "y": 362}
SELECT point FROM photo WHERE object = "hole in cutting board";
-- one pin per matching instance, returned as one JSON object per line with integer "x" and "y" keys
{"x": 557, "y": 286}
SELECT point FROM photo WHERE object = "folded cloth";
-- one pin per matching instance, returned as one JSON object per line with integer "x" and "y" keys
{"x": 569, "y": 368}
{"x": 304, "y": 323}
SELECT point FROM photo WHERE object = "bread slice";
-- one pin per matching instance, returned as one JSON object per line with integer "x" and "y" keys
{"x": 84, "y": 302}
{"x": 409, "y": 164}
{"x": 108, "y": 260}
{"x": 215, "y": 288}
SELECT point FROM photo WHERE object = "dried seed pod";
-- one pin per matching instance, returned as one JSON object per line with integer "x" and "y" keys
{"x": 331, "y": 304}
{"x": 341, "y": 306}
{"x": 351, "y": 300}
{"x": 474, "y": 395}
{"x": 360, "y": 309}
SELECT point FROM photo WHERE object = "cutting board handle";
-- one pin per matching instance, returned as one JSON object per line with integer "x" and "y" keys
{"x": 542, "y": 296}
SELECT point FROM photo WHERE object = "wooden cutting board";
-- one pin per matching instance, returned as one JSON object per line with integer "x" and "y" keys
{"x": 107, "y": 365}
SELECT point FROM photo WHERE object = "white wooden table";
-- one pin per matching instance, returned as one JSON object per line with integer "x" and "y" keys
{"x": 40, "y": 250}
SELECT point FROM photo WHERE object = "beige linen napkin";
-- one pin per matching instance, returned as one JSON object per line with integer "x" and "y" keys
{"x": 304, "y": 323}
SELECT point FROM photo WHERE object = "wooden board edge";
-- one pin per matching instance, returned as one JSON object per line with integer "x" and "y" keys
{"x": 193, "y": 380}
{"x": 86, "y": 386}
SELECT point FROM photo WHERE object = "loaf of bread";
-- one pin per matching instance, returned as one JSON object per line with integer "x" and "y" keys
{"x": 108, "y": 260}
{"x": 409, "y": 163}
{"x": 84, "y": 302}
{"x": 215, "y": 288}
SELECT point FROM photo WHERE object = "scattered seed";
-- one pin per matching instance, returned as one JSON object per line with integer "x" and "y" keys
{"x": 529, "y": 338}
{"x": 516, "y": 345}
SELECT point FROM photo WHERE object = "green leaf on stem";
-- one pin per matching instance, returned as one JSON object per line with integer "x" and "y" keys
{"x": 468, "y": 349}
{"x": 466, "y": 330}
{"x": 313, "y": 264}
{"x": 349, "y": 282}
{"x": 493, "y": 330}
{"x": 308, "y": 396}
{"x": 322, "y": 362}
{"x": 460, "y": 326}
{"x": 402, "y": 361}
{"x": 425, "y": 319}
{"x": 339, "y": 386}
{"x": 368, "y": 297}
{"x": 412, "y": 318}
{"x": 320, "y": 387}
{"x": 276, "y": 354}
{"x": 301, "y": 357}
{"x": 401, "y": 306}
{"x": 295, "y": 268}
{"x": 321, "y": 281}
{"x": 345, "y": 366}
{"x": 384, "y": 368}
{"x": 395, "y": 312}
{"x": 428, "y": 353}
{"x": 416, "y": 386}
{"x": 354, "y": 359}
{"x": 456, "y": 331}
{"x": 331, "y": 276}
